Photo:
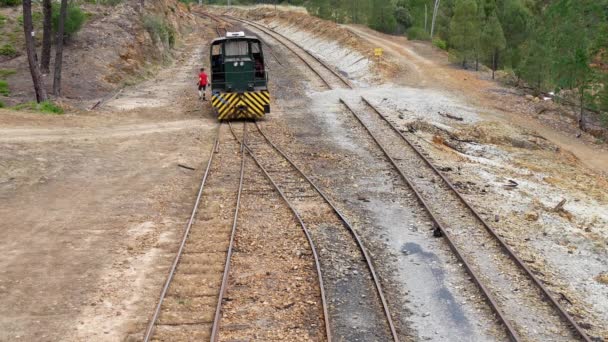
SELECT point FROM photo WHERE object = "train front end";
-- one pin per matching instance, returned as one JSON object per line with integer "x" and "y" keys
{"x": 239, "y": 81}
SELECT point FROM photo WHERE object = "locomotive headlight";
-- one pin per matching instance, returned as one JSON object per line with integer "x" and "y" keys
{"x": 236, "y": 64}
{"x": 242, "y": 63}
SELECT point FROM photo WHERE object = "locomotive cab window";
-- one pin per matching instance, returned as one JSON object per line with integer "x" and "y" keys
{"x": 258, "y": 59}
{"x": 217, "y": 63}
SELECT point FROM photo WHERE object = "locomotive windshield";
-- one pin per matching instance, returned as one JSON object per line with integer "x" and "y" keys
{"x": 235, "y": 48}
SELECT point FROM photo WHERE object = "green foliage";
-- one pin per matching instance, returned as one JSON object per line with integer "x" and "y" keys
{"x": 2, "y": 104}
{"x": 382, "y": 16}
{"x": 74, "y": 20}
{"x": 8, "y": 50}
{"x": 159, "y": 30}
{"x": 4, "y": 88}
{"x": 492, "y": 37}
{"x": 9, "y": 3}
{"x": 47, "y": 107}
{"x": 440, "y": 43}
{"x": 464, "y": 29}
{"x": 417, "y": 33}
{"x": 4, "y": 73}
{"x": 2, "y": 20}
{"x": 402, "y": 15}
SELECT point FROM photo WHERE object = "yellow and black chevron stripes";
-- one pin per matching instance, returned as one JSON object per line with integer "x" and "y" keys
{"x": 247, "y": 105}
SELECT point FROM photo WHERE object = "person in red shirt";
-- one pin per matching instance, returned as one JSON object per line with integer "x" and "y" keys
{"x": 202, "y": 84}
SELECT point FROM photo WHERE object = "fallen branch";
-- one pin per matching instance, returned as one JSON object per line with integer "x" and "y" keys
{"x": 559, "y": 206}
{"x": 450, "y": 116}
{"x": 186, "y": 167}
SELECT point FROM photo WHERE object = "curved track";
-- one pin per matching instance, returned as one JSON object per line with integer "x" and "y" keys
{"x": 343, "y": 257}
{"x": 563, "y": 328}
{"x": 330, "y": 77}
{"x": 529, "y": 312}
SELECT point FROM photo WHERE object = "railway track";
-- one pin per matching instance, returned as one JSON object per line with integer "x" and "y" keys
{"x": 190, "y": 294}
{"x": 326, "y": 74}
{"x": 357, "y": 307}
{"x": 519, "y": 299}
{"x": 522, "y": 303}
{"x": 209, "y": 273}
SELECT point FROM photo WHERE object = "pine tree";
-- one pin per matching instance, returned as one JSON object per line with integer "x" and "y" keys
{"x": 493, "y": 40}
{"x": 464, "y": 29}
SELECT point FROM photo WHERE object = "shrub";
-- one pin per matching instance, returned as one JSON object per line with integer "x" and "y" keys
{"x": 8, "y": 50}
{"x": 9, "y": 3}
{"x": 417, "y": 33}
{"x": 42, "y": 107}
{"x": 440, "y": 43}
{"x": 4, "y": 88}
{"x": 2, "y": 104}
{"x": 2, "y": 20}
{"x": 74, "y": 20}
{"x": 159, "y": 30}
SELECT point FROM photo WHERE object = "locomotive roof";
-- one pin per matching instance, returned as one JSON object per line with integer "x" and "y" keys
{"x": 221, "y": 39}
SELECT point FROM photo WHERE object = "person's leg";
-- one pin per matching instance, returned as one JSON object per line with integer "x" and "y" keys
{"x": 200, "y": 92}
{"x": 204, "y": 92}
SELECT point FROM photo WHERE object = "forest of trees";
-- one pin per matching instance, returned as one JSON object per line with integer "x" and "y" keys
{"x": 547, "y": 45}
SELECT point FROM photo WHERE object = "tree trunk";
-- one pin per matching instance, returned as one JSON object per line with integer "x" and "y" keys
{"x": 581, "y": 119}
{"x": 45, "y": 56}
{"x": 30, "y": 47}
{"x": 59, "y": 48}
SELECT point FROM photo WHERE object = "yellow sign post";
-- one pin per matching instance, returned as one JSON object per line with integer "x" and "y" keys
{"x": 378, "y": 53}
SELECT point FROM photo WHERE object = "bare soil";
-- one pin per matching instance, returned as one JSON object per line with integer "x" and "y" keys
{"x": 92, "y": 205}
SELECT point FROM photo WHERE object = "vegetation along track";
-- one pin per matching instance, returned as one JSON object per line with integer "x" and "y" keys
{"x": 200, "y": 280}
{"x": 521, "y": 301}
{"x": 357, "y": 310}
{"x": 330, "y": 77}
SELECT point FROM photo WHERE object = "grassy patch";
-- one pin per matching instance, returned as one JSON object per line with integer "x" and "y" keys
{"x": 2, "y": 20}
{"x": 417, "y": 33}
{"x": 4, "y": 88}
{"x": 1, "y": 104}
{"x": 4, "y": 73}
{"x": 8, "y": 50}
{"x": 42, "y": 107}
{"x": 159, "y": 30}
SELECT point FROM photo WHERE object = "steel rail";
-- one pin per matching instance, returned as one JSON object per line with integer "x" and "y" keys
{"x": 150, "y": 328}
{"x": 218, "y": 309}
{"x": 319, "y": 60}
{"x": 290, "y": 49}
{"x": 351, "y": 230}
{"x": 490, "y": 299}
{"x": 308, "y": 237}
{"x": 488, "y": 228}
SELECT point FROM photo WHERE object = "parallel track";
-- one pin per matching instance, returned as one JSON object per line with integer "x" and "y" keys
{"x": 464, "y": 247}
{"x": 264, "y": 151}
{"x": 293, "y": 47}
{"x": 203, "y": 258}
{"x": 543, "y": 291}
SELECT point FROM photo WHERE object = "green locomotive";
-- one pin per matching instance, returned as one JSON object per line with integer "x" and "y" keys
{"x": 239, "y": 81}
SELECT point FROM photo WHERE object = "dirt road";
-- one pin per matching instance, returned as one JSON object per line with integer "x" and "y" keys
{"x": 91, "y": 202}
{"x": 428, "y": 67}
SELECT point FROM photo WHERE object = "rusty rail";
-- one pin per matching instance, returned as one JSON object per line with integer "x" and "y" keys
{"x": 150, "y": 328}
{"x": 306, "y": 232}
{"x": 273, "y": 34}
{"x": 218, "y": 310}
{"x": 349, "y": 227}
{"x": 489, "y": 229}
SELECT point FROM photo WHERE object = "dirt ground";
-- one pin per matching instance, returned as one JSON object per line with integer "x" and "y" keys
{"x": 94, "y": 201}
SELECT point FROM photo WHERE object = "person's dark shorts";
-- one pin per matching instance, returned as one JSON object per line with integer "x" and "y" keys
{"x": 202, "y": 87}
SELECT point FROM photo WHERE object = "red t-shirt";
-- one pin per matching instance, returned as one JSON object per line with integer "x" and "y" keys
{"x": 202, "y": 78}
